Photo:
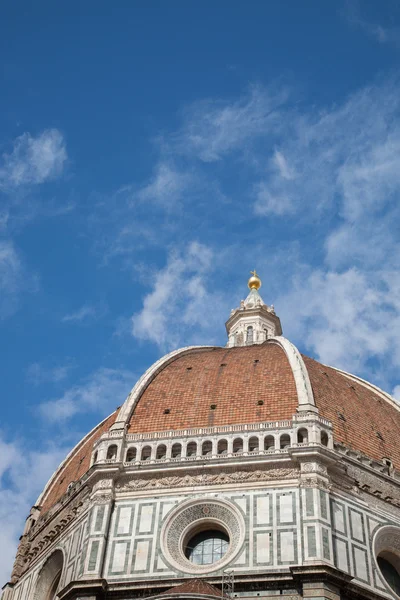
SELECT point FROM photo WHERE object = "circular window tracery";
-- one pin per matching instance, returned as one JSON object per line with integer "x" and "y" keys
{"x": 389, "y": 569}
{"x": 387, "y": 556}
{"x": 207, "y": 547}
{"x": 202, "y": 535}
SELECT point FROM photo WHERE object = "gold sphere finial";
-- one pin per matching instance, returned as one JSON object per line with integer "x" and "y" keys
{"x": 254, "y": 282}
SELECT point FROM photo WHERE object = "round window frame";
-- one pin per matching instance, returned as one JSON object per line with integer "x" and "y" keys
{"x": 386, "y": 540}
{"x": 175, "y": 533}
{"x": 203, "y": 525}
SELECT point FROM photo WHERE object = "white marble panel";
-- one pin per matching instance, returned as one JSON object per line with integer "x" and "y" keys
{"x": 342, "y": 555}
{"x": 142, "y": 552}
{"x": 357, "y": 525}
{"x": 286, "y": 508}
{"x": 338, "y": 513}
{"x": 118, "y": 563}
{"x": 287, "y": 546}
{"x": 262, "y": 547}
{"x": 125, "y": 513}
{"x": 360, "y": 564}
{"x": 262, "y": 510}
{"x": 146, "y": 517}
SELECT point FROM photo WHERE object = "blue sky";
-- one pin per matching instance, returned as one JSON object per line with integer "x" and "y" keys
{"x": 151, "y": 154}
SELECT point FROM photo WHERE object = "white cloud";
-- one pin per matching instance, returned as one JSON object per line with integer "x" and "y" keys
{"x": 38, "y": 374}
{"x": 214, "y": 129}
{"x": 179, "y": 301}
{"x": 166, "y": 187}
{"x": 103, "y": 391}
{"x": 269, "y": 204}
{"x": 11, "y": 278}
{"x": 396, "y": 393}
{"x": 83, "y": 313}
{"x": 23, "y": 474}
{"x": 33, "y": 160}
{"x": 382, "y": 34}
{"x": 345, "y": 318}
{"x": 346, "y": 157}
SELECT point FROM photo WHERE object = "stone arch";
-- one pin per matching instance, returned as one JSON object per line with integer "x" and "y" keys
{"x": 48, "y": 580}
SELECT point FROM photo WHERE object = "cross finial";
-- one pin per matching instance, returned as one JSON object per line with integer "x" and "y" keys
{"x": 254, "y": 281}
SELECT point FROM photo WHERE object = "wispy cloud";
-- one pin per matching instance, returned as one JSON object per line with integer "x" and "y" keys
{"x": 33, "y": 160}
{"x": 166, "y": 186}
{"x": 84, "y": 313}
{"x": 23, "y": 474}
{"x": 13, "y": 278}
{"x": 384, "y": 34}
{"x": 174, "y": 307}
{"x": 38, "y": 374}
{"x": 213, "y": 129}
{"x": 100, "y": 392}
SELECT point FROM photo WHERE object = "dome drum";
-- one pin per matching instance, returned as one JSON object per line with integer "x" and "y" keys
{"x": 255, "y": 440}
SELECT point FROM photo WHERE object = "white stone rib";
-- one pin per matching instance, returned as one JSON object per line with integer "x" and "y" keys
{"x": 129, "y": 405}
{"x": 302, "y": 380}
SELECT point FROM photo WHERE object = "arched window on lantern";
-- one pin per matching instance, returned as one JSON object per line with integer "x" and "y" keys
{"x": 191, "y": 449}
{"x": 206, "y": 449}
{"x": 131, "y": 454}
{"x": 146, "y": 453}
{"x": 161, "y": 451}
{"x": 302, "y": 436}
{"x": 176, "y": 451}
{"x": 222, "y": 447}
{"x": 324, "y": 438}
{"x": 284, "y": 441}
{"x": 112, "y": 452}
{"x": 269, "y": 443}
{"x": 237, "y": 446}
{"x": 254, "y": 444}
{"x": 249, "y": 335}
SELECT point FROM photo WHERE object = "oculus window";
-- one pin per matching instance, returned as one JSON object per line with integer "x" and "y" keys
{"x": 207, "y": 547}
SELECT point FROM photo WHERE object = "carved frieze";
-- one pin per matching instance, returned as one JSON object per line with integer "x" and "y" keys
{"x": 203, "y": 479}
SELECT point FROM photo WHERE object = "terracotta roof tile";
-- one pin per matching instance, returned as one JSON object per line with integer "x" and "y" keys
{"x": 361, "y": 419}
{"x": 76, "y": 466}
{"x": 235, "y": 380}
{"x": 194, "y": 586}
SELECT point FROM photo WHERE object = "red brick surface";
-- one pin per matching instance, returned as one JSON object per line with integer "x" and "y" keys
{"x": 229, "y": 378}
{"x": 76, "y": 466}
{"x": 368, "y": 423}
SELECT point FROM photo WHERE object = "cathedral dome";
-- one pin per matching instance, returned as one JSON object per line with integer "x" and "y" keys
{"x": 153, "y": 491}
{"x": 205, "y": 387}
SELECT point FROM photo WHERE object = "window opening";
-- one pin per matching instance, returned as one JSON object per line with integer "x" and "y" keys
{"x": 207, "y": 547}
